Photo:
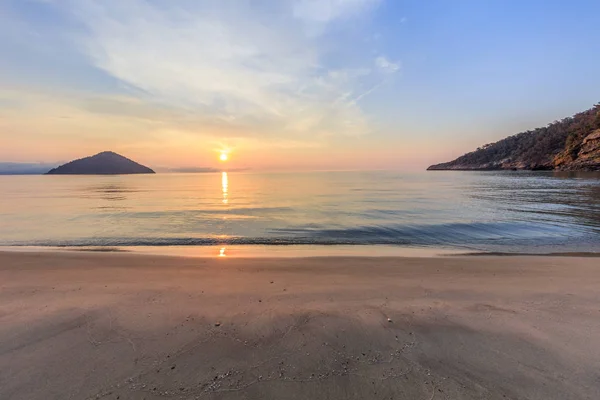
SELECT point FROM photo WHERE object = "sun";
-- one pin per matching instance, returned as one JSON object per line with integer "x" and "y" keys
{"x": 223, "y": 157}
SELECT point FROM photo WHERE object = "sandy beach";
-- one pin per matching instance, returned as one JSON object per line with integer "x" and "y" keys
{"x": 125, "y": 326}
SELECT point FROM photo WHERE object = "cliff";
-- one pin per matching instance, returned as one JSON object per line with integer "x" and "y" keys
{"x": 105, "y": 163}
{"x": 571, "y": 144}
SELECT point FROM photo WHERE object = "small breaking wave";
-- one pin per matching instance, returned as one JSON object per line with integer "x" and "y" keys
{"x": 480, "y": 236}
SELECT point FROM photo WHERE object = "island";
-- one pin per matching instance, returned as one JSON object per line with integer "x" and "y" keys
{"x": 571, "y": 144}
{"x": 105, "y": 163}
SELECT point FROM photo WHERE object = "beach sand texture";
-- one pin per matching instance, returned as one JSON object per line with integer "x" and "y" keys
{"x": 125, "y": 326}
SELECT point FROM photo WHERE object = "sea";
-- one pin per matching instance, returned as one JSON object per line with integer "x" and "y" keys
{"x": 374, "y": 212}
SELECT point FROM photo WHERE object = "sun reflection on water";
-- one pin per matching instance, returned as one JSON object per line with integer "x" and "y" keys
{"x": 225, "y": 187}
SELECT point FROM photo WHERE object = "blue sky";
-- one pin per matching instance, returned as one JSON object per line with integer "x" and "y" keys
{"x": 305, "y": 84}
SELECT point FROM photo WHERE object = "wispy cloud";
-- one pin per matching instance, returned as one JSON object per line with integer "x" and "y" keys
{"x": 252, "y": 68}
{"x": 329, "y": 10}
{"x": 386, "y": 65}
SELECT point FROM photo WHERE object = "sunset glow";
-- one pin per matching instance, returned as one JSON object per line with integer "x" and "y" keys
{"x": 277, "y": 199}
{"x": 285, "y": 85}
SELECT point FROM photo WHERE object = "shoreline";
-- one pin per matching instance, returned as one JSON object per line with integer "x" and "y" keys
{"x": 251, "y": 251}
{"x": 129, "y": 326}
{"x": 290, "y": 251}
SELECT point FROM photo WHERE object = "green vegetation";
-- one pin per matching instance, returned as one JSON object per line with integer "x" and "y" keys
{"x": 556, "y": 146}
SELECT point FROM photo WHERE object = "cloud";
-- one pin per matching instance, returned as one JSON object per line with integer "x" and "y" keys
{"x": 386, "y": 65}
{"x": 329, "y": 10}
{"x": 232, "y": 69}
{"x": 238, "y": 65}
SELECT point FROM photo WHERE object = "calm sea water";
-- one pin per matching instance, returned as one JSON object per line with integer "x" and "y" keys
{"x": 485, "y": 211}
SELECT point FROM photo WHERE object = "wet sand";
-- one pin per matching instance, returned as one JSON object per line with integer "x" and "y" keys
{"x": 125, "y": 326}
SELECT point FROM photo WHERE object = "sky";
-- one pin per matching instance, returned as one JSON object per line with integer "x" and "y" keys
{"x": 288, "y": 84}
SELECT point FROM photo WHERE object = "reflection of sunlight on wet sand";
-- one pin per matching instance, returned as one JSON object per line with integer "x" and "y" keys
{"x": 252, "y": 251}
{"x": 225, "y": 187}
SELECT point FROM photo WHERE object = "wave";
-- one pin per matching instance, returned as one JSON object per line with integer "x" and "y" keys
{"x": 478, "y": 235}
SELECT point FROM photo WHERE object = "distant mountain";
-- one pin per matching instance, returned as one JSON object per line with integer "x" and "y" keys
{"x": 105, "y": 163}
{"x": 572, "y": 144}
{"x": 11, "y": 168}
